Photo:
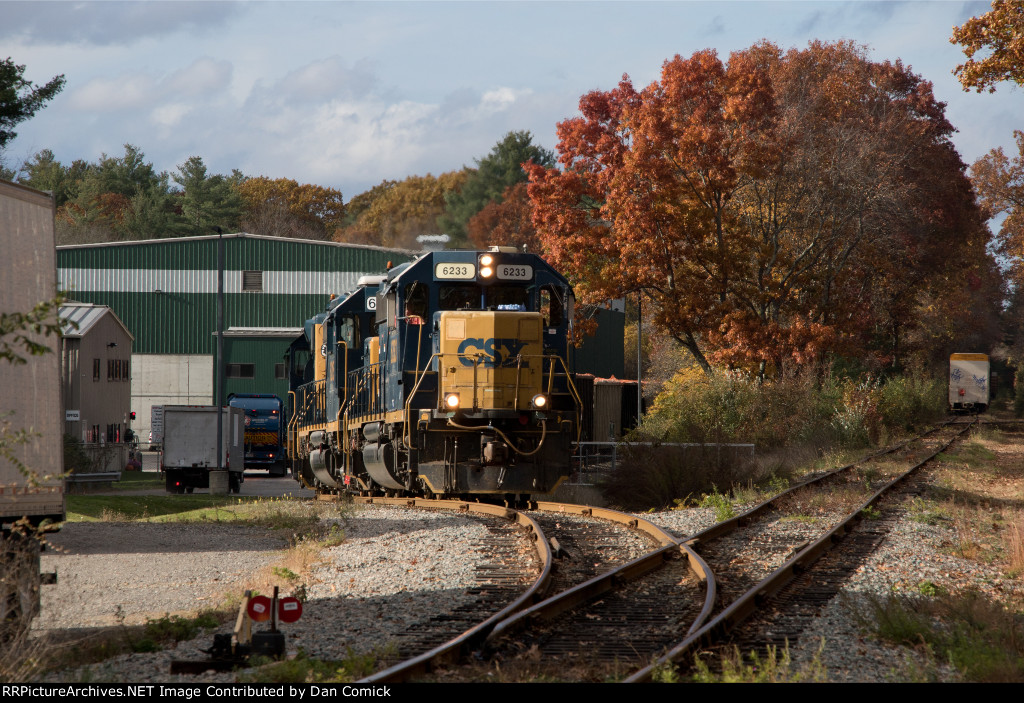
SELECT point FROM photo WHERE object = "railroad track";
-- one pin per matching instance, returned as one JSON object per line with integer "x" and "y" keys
{"x": 633, "y": 616}
{"x": 600, "y": 550}
{"x": 766, "y": 592}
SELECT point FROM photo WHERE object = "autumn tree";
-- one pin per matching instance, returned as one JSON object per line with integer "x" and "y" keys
{"x": 499, "y": 170}
{"x": 506, "y": 223}
{"x": 283, "y": 207}
{"x": 1000, "y": 33}
{"x": 400, "y": 212}
{"x": 755, "y": 202}
{"x": 20, "y": 99}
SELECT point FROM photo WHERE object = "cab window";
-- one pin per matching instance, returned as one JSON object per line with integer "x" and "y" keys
{"x": 550, "y": 306}
{"x": 416, "y": 302}
{"x": 508, "y": 298}
{"x": 348, "y": 332}
{"x": 459, "y": 297}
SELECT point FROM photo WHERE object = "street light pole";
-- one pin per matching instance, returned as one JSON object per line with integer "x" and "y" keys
{"x": 220, "y": 348}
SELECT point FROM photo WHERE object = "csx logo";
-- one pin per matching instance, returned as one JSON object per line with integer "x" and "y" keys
{"x": 502, "y": 351}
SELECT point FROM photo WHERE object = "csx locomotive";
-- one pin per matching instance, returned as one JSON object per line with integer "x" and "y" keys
{"x": 446, "y": 376}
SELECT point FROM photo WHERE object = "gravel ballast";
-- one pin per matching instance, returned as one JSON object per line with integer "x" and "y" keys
{"x": 397, "y": 566}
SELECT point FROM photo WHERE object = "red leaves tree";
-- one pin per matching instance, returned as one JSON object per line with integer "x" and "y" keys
{"x": 755, "y": 202}
{"x": 506, "y": 223}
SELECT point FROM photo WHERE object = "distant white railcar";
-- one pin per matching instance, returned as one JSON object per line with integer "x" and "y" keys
{"x": 968, "y": 382}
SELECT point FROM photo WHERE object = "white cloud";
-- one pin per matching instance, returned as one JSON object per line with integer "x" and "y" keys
{"x": 125, "y": 92}
{"x": 203, "y": 77}
{"x": 169, "y": 115}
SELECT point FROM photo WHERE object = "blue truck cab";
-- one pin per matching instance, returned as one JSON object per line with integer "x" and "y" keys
{"x": 264, "y": 431}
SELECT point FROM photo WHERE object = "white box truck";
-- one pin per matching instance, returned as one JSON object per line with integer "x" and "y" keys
{"x": 968, "y": 382}
{"x": 189, "y": 451}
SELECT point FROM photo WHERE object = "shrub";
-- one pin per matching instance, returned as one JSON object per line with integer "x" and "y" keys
{"x": 808, "y": 409}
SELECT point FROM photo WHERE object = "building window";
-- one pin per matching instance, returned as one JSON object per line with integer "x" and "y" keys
{"x": 117, "y": 370}
{"x": 252, "y": 281}
{"x": 95, "y": 369}
{"x": 241, "y": 371}
{"x": 281, "y": 372}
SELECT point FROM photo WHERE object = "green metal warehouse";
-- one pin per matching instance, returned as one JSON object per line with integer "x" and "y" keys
{"x": 165, "y": 291}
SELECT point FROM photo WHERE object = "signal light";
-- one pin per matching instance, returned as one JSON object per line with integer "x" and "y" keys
{"x": 451, "y": 401}
{"x": 539, "y": 402}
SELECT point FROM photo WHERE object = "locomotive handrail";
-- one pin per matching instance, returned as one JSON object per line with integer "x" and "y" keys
{"x": 292, "y": 431}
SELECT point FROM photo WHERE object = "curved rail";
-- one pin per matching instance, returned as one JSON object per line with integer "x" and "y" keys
{"x": 592, "y": 588}
{"x": 452, "y": 649}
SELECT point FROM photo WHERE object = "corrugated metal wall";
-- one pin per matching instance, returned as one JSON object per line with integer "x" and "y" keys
{"x": 298, "y": 279}
{"x": 263, "y": 353}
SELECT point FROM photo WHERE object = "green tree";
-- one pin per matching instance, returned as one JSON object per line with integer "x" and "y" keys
{"x": 206, "y": 200}
{"x": 124, "y": 195}
{"x": 497, "y": 171}
{"x": 44, "y": 172}
{"x": 20, "y": 99}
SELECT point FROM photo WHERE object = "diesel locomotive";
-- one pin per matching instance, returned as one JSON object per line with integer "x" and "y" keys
{"x": 445, "y": 376}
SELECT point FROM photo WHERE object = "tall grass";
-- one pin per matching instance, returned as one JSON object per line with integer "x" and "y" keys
{"x": 811, "y": 409}
{"x": 785, "y": 418}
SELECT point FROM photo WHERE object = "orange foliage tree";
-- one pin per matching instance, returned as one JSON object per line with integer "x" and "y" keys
{"x": 1000, "y": 32}
{"x": 506, "y": 223}
{"x": 395, "y": 213}
{"x": 764, "y": 204}
{"x": 282, "y": 207}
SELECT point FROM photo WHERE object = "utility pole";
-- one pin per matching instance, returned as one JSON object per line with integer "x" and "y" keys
{"x": 220, "y": 349}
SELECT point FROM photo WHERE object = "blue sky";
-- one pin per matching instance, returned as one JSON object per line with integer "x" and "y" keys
{"x": 345, "y": 94}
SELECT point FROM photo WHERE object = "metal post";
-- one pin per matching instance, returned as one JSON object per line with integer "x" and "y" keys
{"x": 639, "y": 357}
{"x": 220, "y": 349}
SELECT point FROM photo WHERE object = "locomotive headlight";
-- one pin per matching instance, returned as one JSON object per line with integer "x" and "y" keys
{"x": 486, "y": 262}
{"x": 539, "y": 402}
{"x": 451, "y": 401}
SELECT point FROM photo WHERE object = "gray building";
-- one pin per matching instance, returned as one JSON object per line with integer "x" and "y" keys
{"x": 96, "y": 354}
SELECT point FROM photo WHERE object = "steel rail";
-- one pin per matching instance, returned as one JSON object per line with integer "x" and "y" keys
{"x": 748, "y": 603}
{"x": 726, "y": 526}
{"x": 581, "y": 593}
{"x": 451, "y": 650}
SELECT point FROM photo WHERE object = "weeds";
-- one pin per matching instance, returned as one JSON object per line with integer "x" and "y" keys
{"x": 871, "y": 512}
{"x": 769, "y": 667}
{"x": 303, "y": 669}
{"x": 721, "y": 504}
{"x": 978, "y": 637}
